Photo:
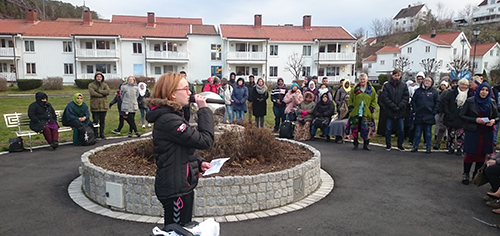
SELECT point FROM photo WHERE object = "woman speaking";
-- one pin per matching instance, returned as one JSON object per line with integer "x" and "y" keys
{"x": 175, "y": 143}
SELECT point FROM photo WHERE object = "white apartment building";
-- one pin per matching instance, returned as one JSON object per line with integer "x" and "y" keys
{"x": 408, "y": 18}
{"x": 150, "y": 46}
{"x": 488, "y": 11}
{"x": 382, "y": 62}
{"x": 487, "y": 57}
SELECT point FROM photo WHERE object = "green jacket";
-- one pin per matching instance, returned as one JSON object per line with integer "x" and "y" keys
{"x": 369, "y": 97}
{"x": 98, "y": 96}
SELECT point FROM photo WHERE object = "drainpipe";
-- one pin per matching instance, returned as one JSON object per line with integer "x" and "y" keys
{"x": 267, "y": 73}
{"x": 145, "y": 56}
{"x": 317, "y": 66}
{"x": 14, "y": 59}
{"x": 73, "y": 40}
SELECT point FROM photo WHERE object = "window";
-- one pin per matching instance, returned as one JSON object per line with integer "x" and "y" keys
{"x": 411, "y": 20}
{"x": 5, "y": 43}
{"x": 382, "y": 62}
{"x": 332, "y": 71}
{"x": 89, "y": 45}
{"x": 67, "y": 46}
{"x": 465, "y": 52}
{"x": 306, "y": 50}
{"x": 255, "y": 71}
{"x": 3, "y": 67}
{"x": 306, "y": 71}
{"x": 30, "y": 68}
{"x": 157, "y": 70}
{"x": 241, "y": 47}
{"x": 321, "y": 72}
{"x": 103, "y": 45}
{"x": 485, "y": 65}
{"x": 29, "y": 46}
{"x": 395, "y": 55}
{"x": 454, "y": 51}
{"x": 409, "y": 49}
{"x": 273, "y": 71}
{"x": 68, "y": 68}
{"x": 242, "y": 70}
{"x": 428, "y": 49}
{"x": 491, "y": 52}
{"x": 137, "y": 47}
{"x": 157, "y": 47}
{"x": 397, "y": 23}
{"x": 103, "y": 68}
{"x": 169, "y": 68}
{"x": 172, "y": 47}
{"x": 404, "y": 22}
{"x": 394, "y": 63}
{"x": 215, "y": 52}
{"x": 255, "y": 48}
{"x": 334, "y": 47}
{"x": 273, "y": 50}
{"x": 138, "y": 68}
{"x": 369, "y": 65}
{"x": 90, "y": 69}
{"x": 322, "y": 48}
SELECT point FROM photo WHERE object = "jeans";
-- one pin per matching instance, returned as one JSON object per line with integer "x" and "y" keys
{"x": 495, "y": 134}
{"x": 229, "y": 114}
{"x": 400, "y": 126}
{"x": 427, "y": 129}
{"x": 240, "y": 116}
{"x": 325, "y": 130}
{"x": 279, "y": 117}
{"x": 143, "y": 112}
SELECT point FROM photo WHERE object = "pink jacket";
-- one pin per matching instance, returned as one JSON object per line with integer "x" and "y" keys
{"x": 292, "y": 103}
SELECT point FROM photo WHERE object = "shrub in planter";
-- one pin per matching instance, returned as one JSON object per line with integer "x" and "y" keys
{"x": 3, "y": 84}
{"x": 28, "y": 84}
{"x": 53, "y": 83}
{"x": 113, "y": 83}
{"x": 83, "y": 83}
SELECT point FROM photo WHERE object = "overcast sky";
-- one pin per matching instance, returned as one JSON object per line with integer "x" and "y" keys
{"x": 351, "y": 14}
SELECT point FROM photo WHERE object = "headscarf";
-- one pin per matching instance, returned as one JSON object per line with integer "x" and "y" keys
{"x": 322, "y": 91}
{"x": 309, "y": 85}
{"x": 76, "y": 101}
{"x": 483, "y": 104}
{"x": 142, "y": 92}
{"x": 39, "y": 96}
{"x": 346, "y": 89}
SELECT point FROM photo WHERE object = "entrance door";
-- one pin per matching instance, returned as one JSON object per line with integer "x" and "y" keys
{"x": 217, "y": 71}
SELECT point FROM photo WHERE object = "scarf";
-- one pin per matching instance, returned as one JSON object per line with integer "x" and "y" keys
{"x": 348, "y": 89}
{"x": 260, "y": 89}
{"x": 142, "y": 92}
{"x": 461, "y": 97}
{"x": 75, "y": 97}
{"x": 322, "y": 91}
{"x": 483, "y": 104}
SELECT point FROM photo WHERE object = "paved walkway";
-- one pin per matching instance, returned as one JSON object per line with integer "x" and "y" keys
{"x": 376, "y": 193}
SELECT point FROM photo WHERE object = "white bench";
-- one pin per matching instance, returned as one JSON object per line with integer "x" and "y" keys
{"x": 22, "y": 122}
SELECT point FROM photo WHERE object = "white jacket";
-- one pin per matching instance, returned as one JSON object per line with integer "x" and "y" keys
{"x": 225, "y": 92}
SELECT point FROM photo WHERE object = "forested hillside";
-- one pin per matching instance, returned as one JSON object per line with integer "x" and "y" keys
{"x": 16, "y": 9}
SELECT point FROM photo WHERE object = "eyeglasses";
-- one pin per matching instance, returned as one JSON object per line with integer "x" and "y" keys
{"x": 185, "y": 88}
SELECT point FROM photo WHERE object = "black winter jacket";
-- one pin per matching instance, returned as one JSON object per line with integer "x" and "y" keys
{"x": 394, "y": 99}
{"x": 425, "y": 105}
{"x": 259, "y": 102}
{"x": 40, "y": 113}
{"x": 324, "y": 109}
{"x": 469, "y": 113}
{"x": 175, "y": 144}
{"x": 451, "y": 110}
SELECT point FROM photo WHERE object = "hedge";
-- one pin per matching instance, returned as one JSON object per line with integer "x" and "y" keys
{"x": 28, "y": 84}
{"x": 83, "y": 83}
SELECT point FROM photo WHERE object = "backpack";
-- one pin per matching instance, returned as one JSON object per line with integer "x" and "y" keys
{"x": 16, "y": 144}
{"x": 286, "y": 129}
{"x": 86, "y": 136}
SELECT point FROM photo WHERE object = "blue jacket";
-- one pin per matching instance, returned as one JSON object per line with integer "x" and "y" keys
{"x": 425, "y": 105}
{"x": 240, "y": 97}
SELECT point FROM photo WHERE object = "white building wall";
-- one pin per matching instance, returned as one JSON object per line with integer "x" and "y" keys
{"x": 489, "y": 60}
{"x": 384, "y": 63}
{"x": 48, "y": 57}
{"x": 285, "y": 50}
{"x": 200, "y": 61}
{"x": 128, "y": 58}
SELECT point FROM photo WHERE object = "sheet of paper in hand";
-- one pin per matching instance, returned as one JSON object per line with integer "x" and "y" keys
{"x": 215, "y": 166}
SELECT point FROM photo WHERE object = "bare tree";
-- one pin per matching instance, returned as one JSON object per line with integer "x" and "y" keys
{"x": 430, "y": 65}
{"x": 467, "y": 12}
{"x": 403, "y": 63}
{"x": 443, "y": 13}
{"x": 459, "y": 67}
{"x": 295, "y": 65}
{"x": 377, "y": 27}
{"x": 387, "y": 26}
{"x": 360, "y": 32}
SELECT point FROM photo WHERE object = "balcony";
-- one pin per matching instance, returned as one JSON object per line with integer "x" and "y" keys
{"x": 11, "y": 77}
{"x": 91, "y": 76}
{"x": 8, "y": 52}
{"x": 167, "y": 55}
{"x": 331, "y": 57}
{"x": 96, "y": 53}
{"x": 246, "y": 56}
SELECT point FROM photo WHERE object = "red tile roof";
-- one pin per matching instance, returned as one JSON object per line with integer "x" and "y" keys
{"x": 389, "y": 49}
{"x": 370, "y": 58}
{"x": 285, "y": 33}
{"x": 66, "y": 28}
{"x": 161, "y": 20}
{"x": 441, "y": 38}
{"x": 481, "y": 49}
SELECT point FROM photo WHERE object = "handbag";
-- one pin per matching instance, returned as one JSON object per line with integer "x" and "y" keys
{"x": 320, "y": 122}
{"x": 292, "y": 116}
{"x": 480, "y": 178}
{"x": 16, "y": 144}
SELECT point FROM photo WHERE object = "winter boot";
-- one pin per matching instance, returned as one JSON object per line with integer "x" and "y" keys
{"x": 365, "y": 145}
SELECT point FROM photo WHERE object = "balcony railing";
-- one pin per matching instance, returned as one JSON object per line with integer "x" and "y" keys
{"x": 7, "y": 52}
{"x": 249, "y": 56}
{"x": 91, "y": 76}
{"x": 168, "y": 55}
{"x": 97, "y": 53}
{"x": 336, "y": 79}
{"x": 329, "y": 56}
{"x": 9, "y": 76}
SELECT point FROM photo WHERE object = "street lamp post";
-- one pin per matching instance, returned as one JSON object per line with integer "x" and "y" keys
{"x": 463, "y": 41}
{"x": 476, "y": 33}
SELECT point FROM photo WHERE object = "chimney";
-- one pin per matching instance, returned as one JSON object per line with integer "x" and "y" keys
{"x": 151, "y": 19}
{"x": 306, "y": 22}
{"x": 31, "y": 16}
{"x": 87, "y": 18}
{"x": 433, "y": 34}
{"x": 409, "y": 5}
{"x": 257, "y": 19}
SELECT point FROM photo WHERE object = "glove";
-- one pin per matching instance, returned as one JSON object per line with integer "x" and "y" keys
{"x": 110, "y": 105}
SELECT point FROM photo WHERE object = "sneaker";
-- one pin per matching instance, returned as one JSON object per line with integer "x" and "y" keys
{"x": 414, "y": 149}
{"x": 149, "y": 125}
{"x": 130, "y": 135}
{"x": 401, "y": 148}
{"x": 115, "y": 131}
{"x": 102, "y": 137}
{"x": 410, "y": 144}
{"x": 388, "y": 148}
{"x": 138, "y": 134}
{"x": 143, "y": 126}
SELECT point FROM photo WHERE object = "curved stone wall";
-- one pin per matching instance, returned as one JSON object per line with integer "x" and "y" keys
{"x": 214, "y": 196}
